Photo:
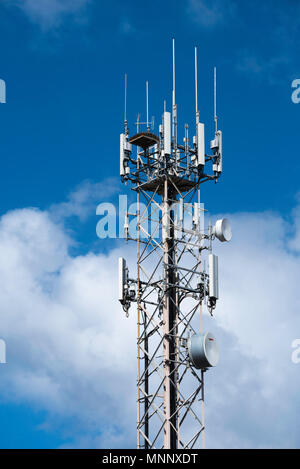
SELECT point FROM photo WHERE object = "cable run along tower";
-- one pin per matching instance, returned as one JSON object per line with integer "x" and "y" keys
{"x": 177, "y": 273}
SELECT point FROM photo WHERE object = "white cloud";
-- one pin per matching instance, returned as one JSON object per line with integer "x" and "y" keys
{"x": 209, "y": 13}
{"x": 69, "y": 346}
{"x": 259, "y": 307}
{"x": 126, "y": 26}
{"x": 272, "y": 69}
{"x": 82, "y": 202}
{"x": 71, "y": 351}
{"x": 50, "y": 13}
{"x": 280, "y": 33}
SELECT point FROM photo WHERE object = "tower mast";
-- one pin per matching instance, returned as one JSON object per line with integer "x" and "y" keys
{"x": 171, "y": 288}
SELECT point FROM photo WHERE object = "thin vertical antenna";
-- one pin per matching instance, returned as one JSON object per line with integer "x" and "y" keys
{"x": 174, "y": 117}
{"x": 173, "y": 94}
{"x": 215, "y": 99}
{"x": 125, "y": 106}
{"x": 165, "y": 105}
{"x": 196, "y": 85}
{"x": 147, "y": 106}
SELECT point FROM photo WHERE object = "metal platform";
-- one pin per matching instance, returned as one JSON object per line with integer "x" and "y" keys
{"x": 157, "y": 184}
{"x": 144, "y": 140}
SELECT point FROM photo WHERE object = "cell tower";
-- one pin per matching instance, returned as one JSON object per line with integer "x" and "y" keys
{"x": 172, "y": 286}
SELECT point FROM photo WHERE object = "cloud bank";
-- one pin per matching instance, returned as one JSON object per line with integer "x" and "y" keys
{"x": 65, "y": 333}
{"x": 72, "y": 353}
{"x": 210, "y": 13}
{"x": 50, "y": 13}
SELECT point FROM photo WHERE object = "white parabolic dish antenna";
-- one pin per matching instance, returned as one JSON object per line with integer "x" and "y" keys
{"x": 203, "y": 350}
{"x": 222, "y": 230}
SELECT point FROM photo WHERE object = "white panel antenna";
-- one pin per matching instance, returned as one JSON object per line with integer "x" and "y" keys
{"x": 181, "y": 211}
{"x": 122, "y": 155}
{"x": 122, "y": 280}
{"x": 196, "y": 214}
{"x": 220, "y": 163}
{"x": 200, "y": 144}
{"x": 167, "y": 133}
{"x": 213, "y": 276}
{"x": 125, "y": 150}
{"x": 216, "y": 146}
{"x": 2, "y": 92}
{"x": 126, "y": 225}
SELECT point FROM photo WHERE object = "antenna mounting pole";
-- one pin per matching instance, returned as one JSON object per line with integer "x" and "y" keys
{"x": 196, "y": 86}
{"x": 125, "y": 106}
{"x": 174, "y": 107}
{"x": 147, "y": 105}
{"x": 215, "y": 99}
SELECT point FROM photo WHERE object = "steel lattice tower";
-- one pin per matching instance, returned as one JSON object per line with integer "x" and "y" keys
{"x": 172, "y": 286}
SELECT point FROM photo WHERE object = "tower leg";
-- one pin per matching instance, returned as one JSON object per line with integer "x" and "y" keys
{"x": 170, "y": 321}
{"x": 146, "y": 364}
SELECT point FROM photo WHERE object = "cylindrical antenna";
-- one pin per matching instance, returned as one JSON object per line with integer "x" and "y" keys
{"x": 186, "y": 147}
{"x": 196, "y": 84}
{"x": 215, "y": 99}
{"x": 125, "y": 105}
{"x": 147, "y": 106}
{"x": 174, "y": 107}
{"x": 173, "y": 94}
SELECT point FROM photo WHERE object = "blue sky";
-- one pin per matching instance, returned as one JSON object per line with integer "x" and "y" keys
{"x": 64, "y": 62}
{"x": 65, "y": 92}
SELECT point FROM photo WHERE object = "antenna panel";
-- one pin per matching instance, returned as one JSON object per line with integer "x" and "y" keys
{"x": 220, "y": 164}
{"x": 214, "y": 144}
{"x": 122, "y": 279}
{"x": 213, "y": 276}
{"x": 122, "y": 155}
{"x": 181, "y": 211}
{"x": 196, "y": 214}
{"x": 125, "y": 149}
{"x": 167, "y": 133}
{"x": 200, "y": 144}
